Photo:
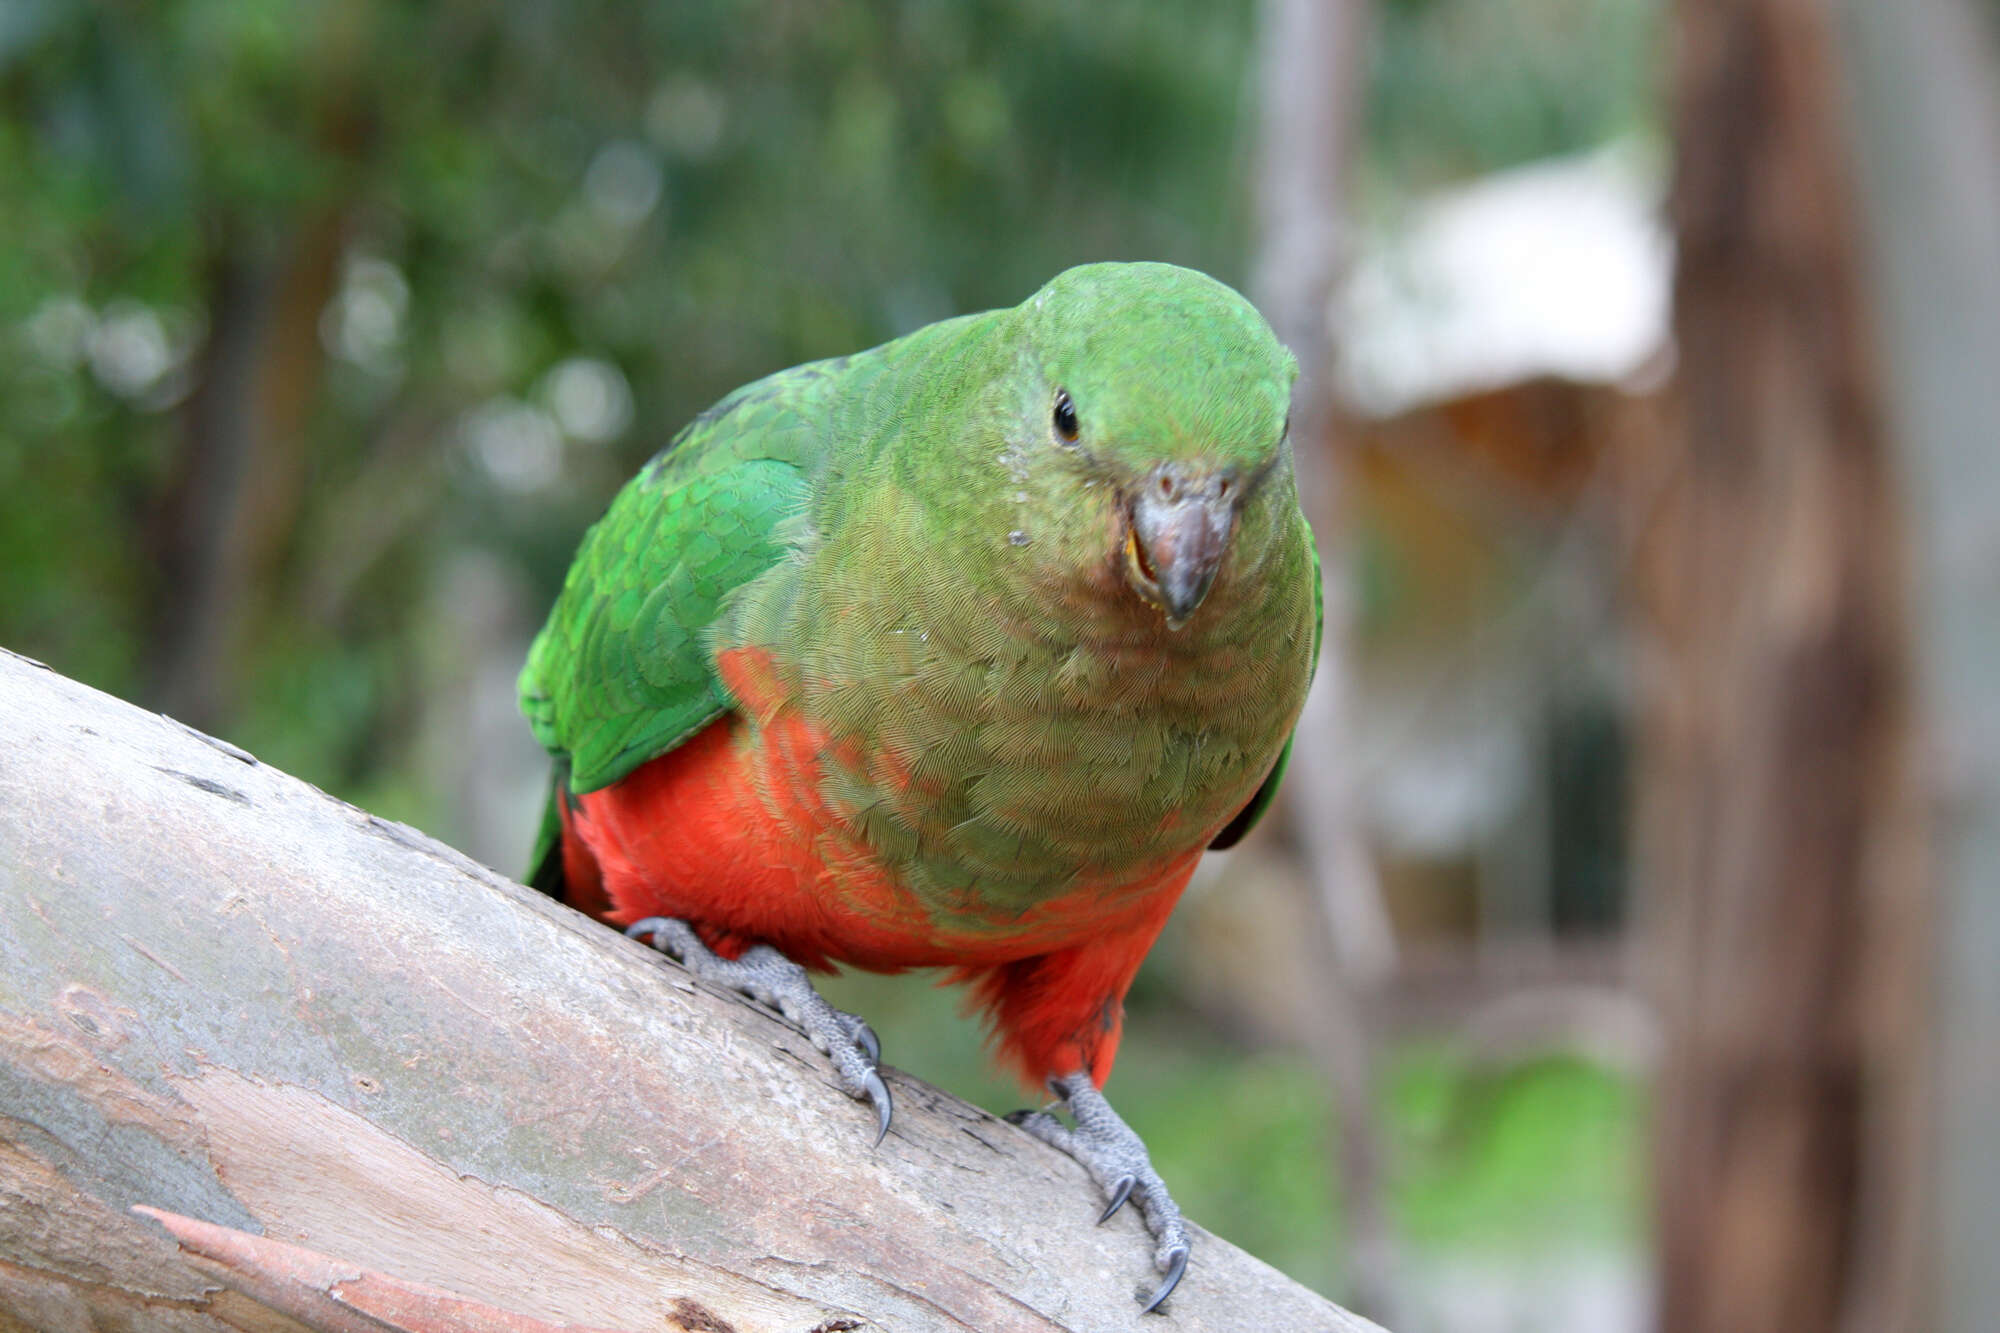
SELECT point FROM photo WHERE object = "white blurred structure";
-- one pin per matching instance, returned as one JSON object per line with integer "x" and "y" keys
{"x": 1562, "y": 271}
{"x": 1562, "y": 267}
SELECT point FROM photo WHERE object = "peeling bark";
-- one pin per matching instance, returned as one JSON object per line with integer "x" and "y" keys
{"x": 226, "y": 996}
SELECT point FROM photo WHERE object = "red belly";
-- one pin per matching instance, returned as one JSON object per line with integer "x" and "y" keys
{"x": 730, "y": 831}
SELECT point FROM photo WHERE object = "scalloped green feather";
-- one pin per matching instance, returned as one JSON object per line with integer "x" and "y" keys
{"x": 622, "y": 670}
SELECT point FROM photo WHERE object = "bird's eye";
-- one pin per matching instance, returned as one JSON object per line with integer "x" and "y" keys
{"x": 1065, "y": 416}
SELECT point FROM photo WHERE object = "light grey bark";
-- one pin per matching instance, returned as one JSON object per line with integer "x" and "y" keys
{"x": 1312, "y": 60}
{"x": 226, "y": 995}
{"x": 1311, "y": 64}
{"x": 1926, "y": 120}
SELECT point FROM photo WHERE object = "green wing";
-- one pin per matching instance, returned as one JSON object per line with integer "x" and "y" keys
{"x": 1246, "y": 818}
{"x": 623, "y": 670}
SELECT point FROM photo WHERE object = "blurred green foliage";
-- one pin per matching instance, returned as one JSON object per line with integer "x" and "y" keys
{"x": 1459, "y": 88}
{"x": 456, "y": 201}
{"x": 690, "y": 196}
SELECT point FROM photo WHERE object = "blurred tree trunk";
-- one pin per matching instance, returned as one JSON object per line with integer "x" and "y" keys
{"x": 1311, "y": 75}
{"x": 1926, "y": 77}
{"x": 1777, "y": 821}
{"x": 231, "y": 503}
{"x": 233, "y": 498}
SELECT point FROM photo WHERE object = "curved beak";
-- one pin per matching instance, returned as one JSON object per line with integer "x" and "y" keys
{"x": 1179, "y": 524}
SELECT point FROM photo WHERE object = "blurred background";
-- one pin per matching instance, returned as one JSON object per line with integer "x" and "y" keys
{"x": 1627, "y": 955}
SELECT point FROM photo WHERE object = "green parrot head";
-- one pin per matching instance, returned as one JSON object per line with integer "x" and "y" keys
{"x": 1145, "y": 419}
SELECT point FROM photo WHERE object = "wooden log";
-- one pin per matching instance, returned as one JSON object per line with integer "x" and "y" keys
{"x": 226, "y": 996}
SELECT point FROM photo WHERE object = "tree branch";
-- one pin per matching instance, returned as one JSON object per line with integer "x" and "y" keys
{"x": 226, "y": 996}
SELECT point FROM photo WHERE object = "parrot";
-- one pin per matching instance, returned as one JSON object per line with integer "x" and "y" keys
{"x": 956, "y": 653}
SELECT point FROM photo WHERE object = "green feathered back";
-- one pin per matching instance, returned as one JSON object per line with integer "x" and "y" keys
{"x": 622, "y": 671}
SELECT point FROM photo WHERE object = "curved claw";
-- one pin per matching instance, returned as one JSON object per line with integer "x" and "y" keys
{"x": 1176, "y": 1267}
{"x": 651, "y": 925}
{"x": 878, "y": 1093}
{"x": 1120, "y": 1192}
{"x": 870, "y": 1044}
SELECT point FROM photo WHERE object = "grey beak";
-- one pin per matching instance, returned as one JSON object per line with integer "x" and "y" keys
{"x": 1181, "y": 520}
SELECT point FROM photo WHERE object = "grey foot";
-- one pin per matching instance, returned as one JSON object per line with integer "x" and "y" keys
{"x": 770, "y": 978}
{"x": 1117, "y": 1161}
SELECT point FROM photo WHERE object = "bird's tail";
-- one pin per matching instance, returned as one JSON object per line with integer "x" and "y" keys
{"x": 545, "y": 863}
{"x": 562, "y": 865}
